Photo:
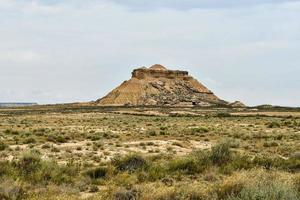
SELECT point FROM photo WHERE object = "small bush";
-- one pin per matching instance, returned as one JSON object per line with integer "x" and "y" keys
{"x": 46, "y": 146}
{"x": 230, "y": 187}
{"x": 6, "y": 169}
{"x": 240, "y": 162}
{"x": 296, "y": 183}
{"x": 274, "y": 125}
{"x": 61, "y": 174}
{"x": 10, "y": 190}
{"x": 94, "y": 137}
{"x": 221, "y": 153}
{"x": 194, "y": 163}
{"x": 61, "y": 139}
{"x": 185, "y": 165}
{"x": 169, "y": 194}
{"x": 29, "y": 163}
{"x": 97, "y": 173}
{"x": 266, "y": 162}
{"x": 3, "y": 146}
{"x": 202, "y": 158}
{"x": 123, "y": 194}
{"x": 156, "y": 172}
{"x": 7, "y": 131}
{"x": 130, "y": 163}
{"x": 223, "y": 114}
{"x": 296, "y": 155}
{"x": 291, "y": 164}
{"x": 151, "y": 132}
{"x": 266, "y": 191}
{"x": 177, "y": 193}
{"x": 177, "y": 144}
{"x": 94, "y": 189}
{"x": 29, "y": 140}
{"x": 198, "y": 130}
{"x": 271, "y": 144}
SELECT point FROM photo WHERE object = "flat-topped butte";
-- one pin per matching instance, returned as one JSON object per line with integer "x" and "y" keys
{"x": 158, "y": 86}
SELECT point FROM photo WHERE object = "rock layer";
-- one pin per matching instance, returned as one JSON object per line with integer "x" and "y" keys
{"x": 158, "y": 86}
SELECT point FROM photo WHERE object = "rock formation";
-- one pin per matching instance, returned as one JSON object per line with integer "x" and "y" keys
{"x": 237, "y": 104}
{"x": 158, "y": 86}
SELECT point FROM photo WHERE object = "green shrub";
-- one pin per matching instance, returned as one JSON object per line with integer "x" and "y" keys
{"x": 266, "y": 191}
{"x": 177, "y": 193}
{"x": 11, "y": 190}
{"x": 266, "y": 162}
{"x": 196, "y": 130}
{"x": 230, "y": 187}
{"x": 94, "y": 188}
{"x": 202, "y": 158}
{"x": 151, "y": 132}
{"x": 296, "y": 183}
{"x": 7, "y": 131}
{"x": 221, "y": 153}
{"x": 123, "y": 194}
{"x": 194, "y": 163}
{"x": 184, "y": 165}
{"x": 34, "y": 170}
{"x": 177, "y": 144}
{"x": 29, "y": 140}
{"x": 171, "y": 195}
{"x": 129, "y": 163}
{"x": 223, "y": 114}
{"x": 276, "y": 162}
{"x": 270, "y": 144}
{"x": 58, "y": 138}
{"x": 240, "y": 162}
{"x": 274, "y": 125}
{"x": 296, "y": 155}
{"x": 291, "y": 164}
{"x": 3, "y": 146}
{"x": 6, "y": 169}
{"x": 156, "y": 172}
{"x": 29, "y": 163}
{"x": 58, "y": 174}
{"x": 61, "y": 139}
{"x": 97, "y": 173}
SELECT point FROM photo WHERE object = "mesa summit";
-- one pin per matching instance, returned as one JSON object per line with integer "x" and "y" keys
{"x": 159, "y": 86}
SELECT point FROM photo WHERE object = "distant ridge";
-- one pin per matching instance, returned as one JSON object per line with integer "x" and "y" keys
{"x": 16, "y": 104}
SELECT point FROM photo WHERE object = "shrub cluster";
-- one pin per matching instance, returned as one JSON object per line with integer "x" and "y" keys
{"x": 32, "y": 169}
{"x": 127, "y": 171}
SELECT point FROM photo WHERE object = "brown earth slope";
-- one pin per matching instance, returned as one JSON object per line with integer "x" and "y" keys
{"x": 159, "y": 86}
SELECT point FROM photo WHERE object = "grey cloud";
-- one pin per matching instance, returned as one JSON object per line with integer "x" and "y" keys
{"x": 190, "y": 4}
{"x": 168, "y": 4}
{"x": 65, "y": 52}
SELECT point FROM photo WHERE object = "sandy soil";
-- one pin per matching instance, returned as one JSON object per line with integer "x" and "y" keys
{"x": 84, "y": 150}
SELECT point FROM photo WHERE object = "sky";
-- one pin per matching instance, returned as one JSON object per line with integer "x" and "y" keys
{"x": 60, "y": 51}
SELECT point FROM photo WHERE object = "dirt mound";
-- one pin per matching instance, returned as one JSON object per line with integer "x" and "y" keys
{"x": 159, "y": 86}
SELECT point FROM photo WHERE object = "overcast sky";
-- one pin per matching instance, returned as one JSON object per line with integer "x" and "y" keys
{"x": 54, "y": 51}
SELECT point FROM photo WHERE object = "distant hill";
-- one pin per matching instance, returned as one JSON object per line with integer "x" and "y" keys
{"x": 16, "y": 104}
{"x": 158, "y": 86}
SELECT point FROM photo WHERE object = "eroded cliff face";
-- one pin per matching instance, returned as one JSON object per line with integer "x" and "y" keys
{"x": 158, "y": 71}
{"x": 159, "y": 86}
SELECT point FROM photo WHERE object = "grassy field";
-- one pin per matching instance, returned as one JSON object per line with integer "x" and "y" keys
{"x": 89, "y": 152}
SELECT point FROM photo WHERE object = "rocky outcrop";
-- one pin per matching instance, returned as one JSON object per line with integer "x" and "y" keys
{"x": 237, "y": 104}
{"x": 159, "y": 86}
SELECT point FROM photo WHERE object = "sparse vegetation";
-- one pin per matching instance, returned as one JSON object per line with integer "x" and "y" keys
{"x": 2, "y": 146}
{"x": 215, "y": 155}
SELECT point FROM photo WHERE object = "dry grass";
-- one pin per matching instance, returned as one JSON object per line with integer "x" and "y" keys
{"x": 147, "y": 153}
